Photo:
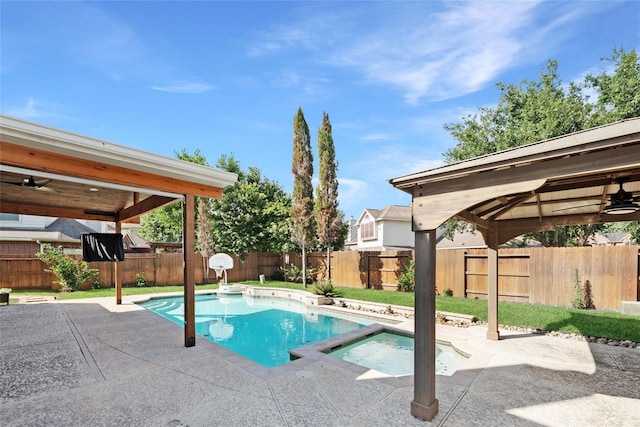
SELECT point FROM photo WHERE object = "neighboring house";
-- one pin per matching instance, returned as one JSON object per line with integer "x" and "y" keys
{"x": 351, "y": 242}
{"x": 132, "y": 241}
{"x": 612, "y": 239}
{"x": 28, "y": 235}
{"x": 390, "y": 229}
{"x": 25, "y": 234}
{"x": 384, "y": 229}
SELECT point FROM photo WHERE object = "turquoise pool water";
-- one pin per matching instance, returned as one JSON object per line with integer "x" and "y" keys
{"x": 260, "y": 329}
{"x": 392, "y": 354}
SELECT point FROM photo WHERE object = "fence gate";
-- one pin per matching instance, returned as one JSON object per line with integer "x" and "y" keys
{"x": 383, "y": 270}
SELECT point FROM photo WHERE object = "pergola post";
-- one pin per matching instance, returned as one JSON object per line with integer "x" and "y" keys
{"x": 188, "y": 249}
{"x": 116, "y": 271}
{"x": 425, "y": 404}
{"x": 492, "y": 284}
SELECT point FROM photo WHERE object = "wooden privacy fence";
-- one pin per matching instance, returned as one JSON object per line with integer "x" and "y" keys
{"x": 533, "y": 275}
{"x": 544, "y": 275}
{"x": 161, "y": 269}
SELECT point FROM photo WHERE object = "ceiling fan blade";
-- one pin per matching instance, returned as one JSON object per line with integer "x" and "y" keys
{"x": 576, "y": 207}
{"x": 19, "y": 184}
{"x": 45, "y": 189}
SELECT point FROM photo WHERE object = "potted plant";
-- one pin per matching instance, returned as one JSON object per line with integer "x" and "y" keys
{"x": 4, "y": 295}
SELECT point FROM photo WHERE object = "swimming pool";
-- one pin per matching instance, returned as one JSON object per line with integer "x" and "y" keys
{"x": 261, "y": 329}
{"x": 393, "y": 354}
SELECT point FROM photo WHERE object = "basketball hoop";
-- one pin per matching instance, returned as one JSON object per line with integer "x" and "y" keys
{"x": 221, "y": 263}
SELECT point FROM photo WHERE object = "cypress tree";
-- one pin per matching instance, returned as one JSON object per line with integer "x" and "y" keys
{"x": 327, "y": 191}
{"x": 303, "y": 227}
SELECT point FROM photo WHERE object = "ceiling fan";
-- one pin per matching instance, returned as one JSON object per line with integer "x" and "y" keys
{"x": 620, "y": 203}
{"x": 32, "y": 183}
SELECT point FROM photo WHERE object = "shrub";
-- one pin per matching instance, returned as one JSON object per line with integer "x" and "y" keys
{"x": 576, "y": 300}
{"x": 406, "y": 280}
{"x": 326, "y": 288}
{"x": 71, "y": 273}
{"x": 141, "y": 280}
{"x": 294, "y": 274}
{"x": 278, "y": 275}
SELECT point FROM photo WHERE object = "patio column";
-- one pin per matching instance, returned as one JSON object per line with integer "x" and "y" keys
{"x": 188, "y": 252}
{"x": 492, "y": 285}
{"x": 116, "y": 271}
{"x": 425, "y": 404}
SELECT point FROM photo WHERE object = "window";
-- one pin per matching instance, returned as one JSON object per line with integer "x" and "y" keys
{"x": 367, "y": 228}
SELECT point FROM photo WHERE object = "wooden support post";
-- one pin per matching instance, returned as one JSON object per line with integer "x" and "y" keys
{"x": 188, "y": 248}
{"x": 116, "y": 271}
{"x": 492, "y": 284}
{"x": 425, "y": 404}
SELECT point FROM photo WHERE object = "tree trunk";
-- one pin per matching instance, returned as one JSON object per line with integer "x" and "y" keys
{"x": 304, "y": 267}
{"x": 329, "y": 263}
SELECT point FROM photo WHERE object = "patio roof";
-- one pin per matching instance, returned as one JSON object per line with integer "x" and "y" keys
{"x": 561, "y": 181}
{"x": 87, "y": 178}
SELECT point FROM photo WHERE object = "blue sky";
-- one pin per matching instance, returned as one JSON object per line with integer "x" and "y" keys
{"x": 228, "y": 77}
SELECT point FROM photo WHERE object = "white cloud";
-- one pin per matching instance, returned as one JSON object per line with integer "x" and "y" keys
{"x": 31, "y": 109}
{"x": 26, "y": 111}
{"x": 376, "y": 137}
{"x": 185, "y": 87}
{"x": 425, "y": 52}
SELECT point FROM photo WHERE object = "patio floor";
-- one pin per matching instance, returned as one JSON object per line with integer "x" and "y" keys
{"x": 90, "y": 362}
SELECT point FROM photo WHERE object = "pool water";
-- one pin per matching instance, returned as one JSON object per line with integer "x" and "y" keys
{"x": 392, "y": 354}
{"x": 258, "y": 328}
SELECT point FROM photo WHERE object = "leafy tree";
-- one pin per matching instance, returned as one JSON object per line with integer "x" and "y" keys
{"x": 165, "y": 224}
{"x": 326, "y": 203}
{"x": 618, "y": 93}
{"x": 303, "y": 224}
{"x": 252, "y": 215}
{"x": 543, "y": 109}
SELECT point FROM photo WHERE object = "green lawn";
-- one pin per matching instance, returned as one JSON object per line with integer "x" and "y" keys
{"x": 586, "y": 322}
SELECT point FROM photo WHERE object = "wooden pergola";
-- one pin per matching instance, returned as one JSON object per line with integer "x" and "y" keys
{"x": 573, "y": 179}
{"x": 50, "y": 172}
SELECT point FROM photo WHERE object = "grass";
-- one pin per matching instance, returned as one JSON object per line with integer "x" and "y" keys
{"x": 111, "y": 292}
{"x": 585, "y": 322}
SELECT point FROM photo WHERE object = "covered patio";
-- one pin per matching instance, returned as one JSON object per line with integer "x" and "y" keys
{"x": 51, "y": 172}
{"x": 589, "y": 177}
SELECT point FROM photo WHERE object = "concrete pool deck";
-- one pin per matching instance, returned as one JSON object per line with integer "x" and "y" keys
{"x": 91, "y": 362}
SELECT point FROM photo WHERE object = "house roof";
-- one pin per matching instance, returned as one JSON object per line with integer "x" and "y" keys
{"x": 391, "y": 212}
{"x": 69, "y": 227}
{"x": 562, "y": 181}
{"x": 61, "y": 230}
{"x": 135, "y": 240}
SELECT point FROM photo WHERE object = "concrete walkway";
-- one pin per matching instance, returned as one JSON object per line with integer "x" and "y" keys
{"x": 92, "y": 363}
